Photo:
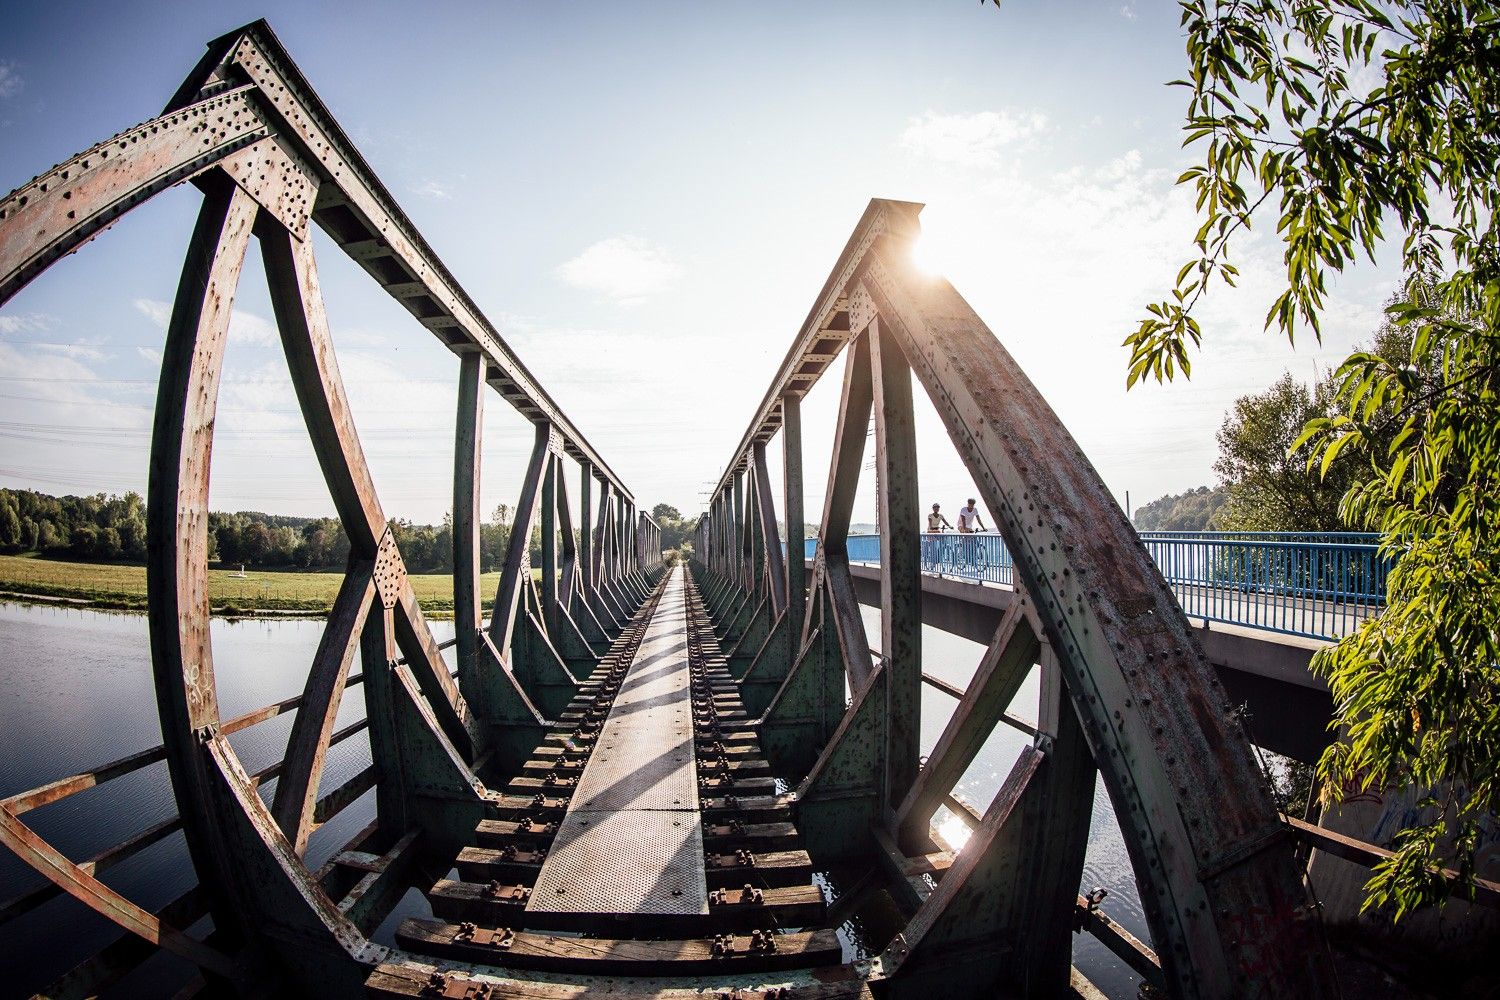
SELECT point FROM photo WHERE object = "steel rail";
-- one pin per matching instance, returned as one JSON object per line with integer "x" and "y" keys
{"x": 55, "y": 791}
{"x": 97, "y": 896}
{"x": 133, "y": 845}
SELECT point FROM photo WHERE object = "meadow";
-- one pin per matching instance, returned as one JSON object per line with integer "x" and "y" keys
{"x": 122, "y": 587}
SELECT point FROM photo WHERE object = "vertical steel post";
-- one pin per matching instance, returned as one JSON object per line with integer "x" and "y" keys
{"x": 796, "y": 566}
{"x": 518, "y": 553}
{"x": 736, "y": 542}
{"x": 901, "y": 560}
{"x": 549, "y": 543}
{"x": 770, "y": 548}
{"x": 467, "y": 440}
{"x": 585, "y": 525}
{"x": 838, "y": 505}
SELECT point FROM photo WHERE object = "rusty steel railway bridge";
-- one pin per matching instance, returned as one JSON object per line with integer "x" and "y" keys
{"x": 635, "y": 772}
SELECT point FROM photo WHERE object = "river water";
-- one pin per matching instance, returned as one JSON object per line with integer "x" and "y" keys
{"x": 78, "y": 694}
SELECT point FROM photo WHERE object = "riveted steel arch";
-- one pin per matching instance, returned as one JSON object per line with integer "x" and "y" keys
{"x": 1203, "y": 835}
{"x": 247, "y": 129}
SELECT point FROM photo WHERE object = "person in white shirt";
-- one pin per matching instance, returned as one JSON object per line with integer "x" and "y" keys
{"x": 968, "y": 518}
{"x": 936, "y": 522}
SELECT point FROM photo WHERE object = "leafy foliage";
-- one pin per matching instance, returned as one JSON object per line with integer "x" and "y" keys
{"x": 91, "y": 527}
{"x": 676, "y": 530}
{"x": 1268, "y": 488}
{"x": 1352, "y": 120}
{"x": 1193, "y": 510}
{"x": 113, "y": 528}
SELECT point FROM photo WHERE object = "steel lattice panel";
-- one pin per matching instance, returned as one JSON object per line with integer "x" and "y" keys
{"x": 632, "y": 838}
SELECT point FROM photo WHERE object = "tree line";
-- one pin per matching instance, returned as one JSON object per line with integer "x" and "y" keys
{"x": 677, "y": 532}
{"x": 107, "y": 528}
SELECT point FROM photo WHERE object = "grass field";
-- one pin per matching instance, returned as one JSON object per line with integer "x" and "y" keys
{"x": 124, "y": 587}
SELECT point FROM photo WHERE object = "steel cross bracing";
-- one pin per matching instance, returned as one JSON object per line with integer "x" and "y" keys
{"x": 250, "y": 133}
{"x": 553, "y": 754}
{"x": 1125, "y": 687}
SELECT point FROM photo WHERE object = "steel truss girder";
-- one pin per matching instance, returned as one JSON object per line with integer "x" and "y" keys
{"x": 245, "y": 90}
{"x": 1203, "y": 835}
{"x": 269, "y": 159}
{"x": 1153, "y": 711}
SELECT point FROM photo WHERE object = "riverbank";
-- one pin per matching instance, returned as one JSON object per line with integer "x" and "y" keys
{"x": 268, "y": 593}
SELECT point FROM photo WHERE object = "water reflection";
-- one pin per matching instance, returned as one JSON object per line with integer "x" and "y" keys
{"x": 80, "y": 694}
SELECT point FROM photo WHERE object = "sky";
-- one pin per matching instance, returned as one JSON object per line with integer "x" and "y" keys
{"x": 645, "y": 199}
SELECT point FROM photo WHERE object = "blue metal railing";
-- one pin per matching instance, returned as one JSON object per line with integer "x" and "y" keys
{"x": 1316, "y": 584}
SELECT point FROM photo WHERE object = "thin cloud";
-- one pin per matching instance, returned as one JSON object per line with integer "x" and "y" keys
{"x": 244, "y": 327}
{"x": 10, "y": 81}
{"x": 970, "y": 140}
{"x": 627, "y": 269}
{"x": 155, "y": 310}
{"x": 26, "y": 323}
{"x": 433, "y": 190}
{"x": 78, "y": 352}
{"x": 248, "y": 328}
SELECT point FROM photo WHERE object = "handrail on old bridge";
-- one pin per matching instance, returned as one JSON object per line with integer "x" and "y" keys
{"x": 1321, "y": 585}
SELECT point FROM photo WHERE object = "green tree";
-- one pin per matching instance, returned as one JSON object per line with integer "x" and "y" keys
{"x": 1195, "y": 510}
{"x": 1267, "y": 486}
{"x": 1353, "y": 123}
{"x": 10, "y": 523}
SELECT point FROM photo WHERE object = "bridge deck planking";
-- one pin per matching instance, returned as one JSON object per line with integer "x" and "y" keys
{"x": 631, "y": 840}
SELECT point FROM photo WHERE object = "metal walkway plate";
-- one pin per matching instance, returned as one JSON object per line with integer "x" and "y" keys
{"x": 632, "y": 838}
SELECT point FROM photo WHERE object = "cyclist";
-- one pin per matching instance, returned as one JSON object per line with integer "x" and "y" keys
{"x": 968, "y": 517}
{"x": 936, "y": 522}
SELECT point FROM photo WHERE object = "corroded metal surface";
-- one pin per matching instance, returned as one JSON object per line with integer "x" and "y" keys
{"x": 249, "y": 131}
{"x": 1217, "y": 877}
{"x": 1123, "y": 682}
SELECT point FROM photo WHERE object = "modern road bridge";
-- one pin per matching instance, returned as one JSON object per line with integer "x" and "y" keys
{"x": 1261, "y": 603}
{"x": 631, "y": 775}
